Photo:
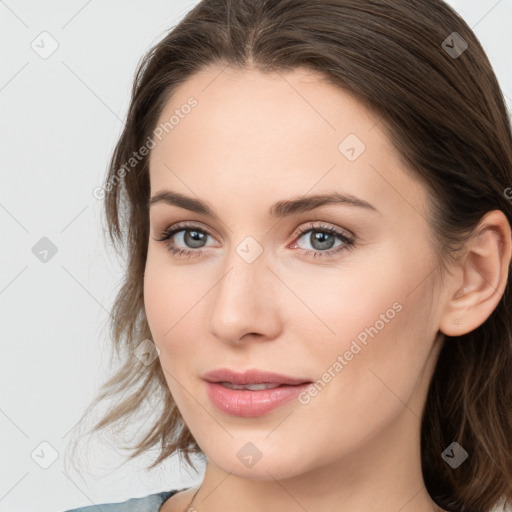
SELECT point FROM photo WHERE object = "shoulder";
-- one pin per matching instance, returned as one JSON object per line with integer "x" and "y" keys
{"x": 150, "y": 503}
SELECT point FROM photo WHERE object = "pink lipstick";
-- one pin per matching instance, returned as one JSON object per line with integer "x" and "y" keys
{"x": 251, "y": 393}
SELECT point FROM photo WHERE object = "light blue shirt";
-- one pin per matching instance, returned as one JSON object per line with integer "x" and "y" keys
{"x": 150, "y": 503}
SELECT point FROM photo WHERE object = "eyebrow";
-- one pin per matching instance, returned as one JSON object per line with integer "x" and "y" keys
{"x": 280, "y": 209}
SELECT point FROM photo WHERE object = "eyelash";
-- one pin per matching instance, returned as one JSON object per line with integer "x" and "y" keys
{"x": 348, "y": 242}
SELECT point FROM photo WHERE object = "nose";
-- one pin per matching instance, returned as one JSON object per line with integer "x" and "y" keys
{"x": 245, "y": 301}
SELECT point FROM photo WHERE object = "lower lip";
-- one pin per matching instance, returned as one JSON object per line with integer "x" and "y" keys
{"x": 249, "y": 404}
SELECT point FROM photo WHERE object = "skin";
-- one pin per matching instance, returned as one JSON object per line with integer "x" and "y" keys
{"x": 254, "y": 140}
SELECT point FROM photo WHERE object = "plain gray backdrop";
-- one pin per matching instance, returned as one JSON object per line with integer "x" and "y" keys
{"x": 66, "y": 73}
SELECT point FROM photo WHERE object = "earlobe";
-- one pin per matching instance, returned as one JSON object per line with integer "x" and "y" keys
{"x": 484, "y": 271}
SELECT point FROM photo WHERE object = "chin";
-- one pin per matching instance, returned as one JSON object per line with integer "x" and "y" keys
{"x": 257, "y": 458}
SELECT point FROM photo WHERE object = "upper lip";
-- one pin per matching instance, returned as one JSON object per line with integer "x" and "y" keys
{"x": 252, "y": 376}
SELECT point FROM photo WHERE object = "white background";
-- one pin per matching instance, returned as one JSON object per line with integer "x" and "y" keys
{"x": 60, "y": 119}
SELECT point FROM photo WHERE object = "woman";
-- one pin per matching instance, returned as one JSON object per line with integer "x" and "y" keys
{"x": 316, "y": 203}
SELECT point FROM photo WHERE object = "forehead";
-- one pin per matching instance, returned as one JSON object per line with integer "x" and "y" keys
{"x": 265, "y": 113}
{"x": 275, "y": 135}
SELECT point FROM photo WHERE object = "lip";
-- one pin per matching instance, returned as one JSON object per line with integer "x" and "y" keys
{"x": 252, "y": 376}
{"x": 249, "y": 404}
{"x": 246, "y": 403}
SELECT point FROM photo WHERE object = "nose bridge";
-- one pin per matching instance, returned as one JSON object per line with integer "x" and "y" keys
{"x": 243, "y": 298}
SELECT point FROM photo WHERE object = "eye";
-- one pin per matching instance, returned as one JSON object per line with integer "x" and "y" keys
{"x": 321, "y": 239}
{"x": 189, "y": 234}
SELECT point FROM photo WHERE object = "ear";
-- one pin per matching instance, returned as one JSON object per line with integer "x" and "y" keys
{"x": 482, "y": 278}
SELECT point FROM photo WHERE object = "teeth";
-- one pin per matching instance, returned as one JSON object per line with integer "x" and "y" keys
{"x": 251, "y": 387}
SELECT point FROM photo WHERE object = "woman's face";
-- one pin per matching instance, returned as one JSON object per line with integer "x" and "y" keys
{"x": 356, "y": 311}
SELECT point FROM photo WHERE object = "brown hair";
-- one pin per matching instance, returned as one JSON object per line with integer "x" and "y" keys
{"x": 446, "y": 115}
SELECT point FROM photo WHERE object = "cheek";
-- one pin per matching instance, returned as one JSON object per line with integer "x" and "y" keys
{"x": 156, "y": 300}
{"x": 160, "y": 311}
{"x": 175, "y": 298}
{"x": 167, "y": 301}
{"x": 370, "y": 337}
{"x": 373, "y": 363}
{"x": 166, "y": 294}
